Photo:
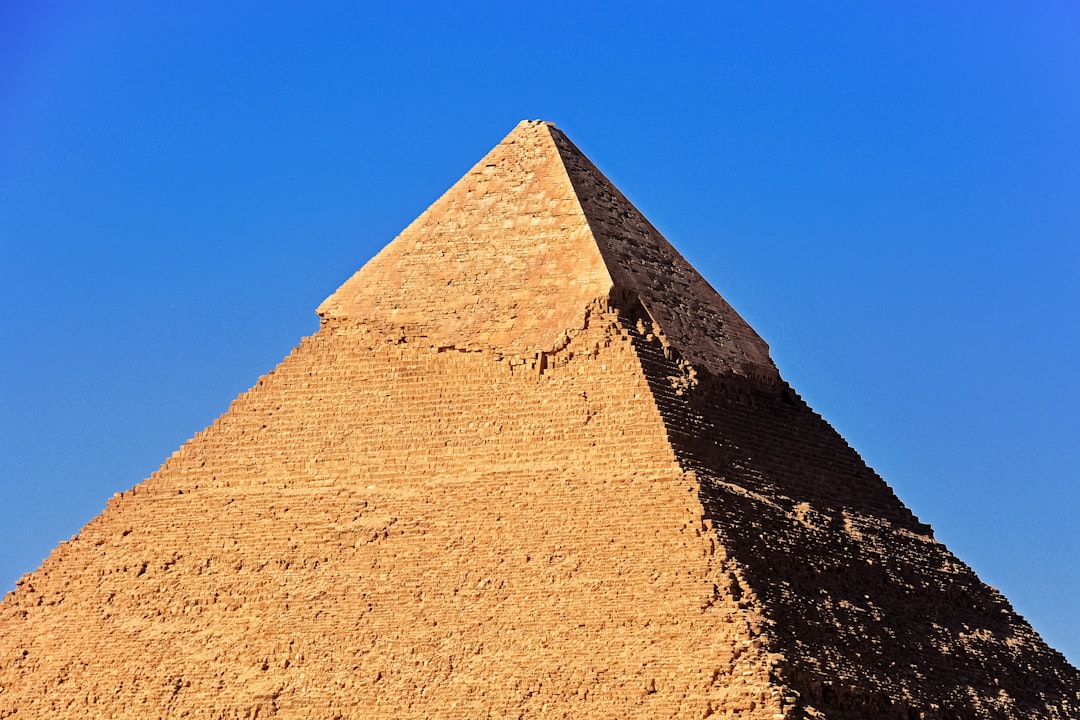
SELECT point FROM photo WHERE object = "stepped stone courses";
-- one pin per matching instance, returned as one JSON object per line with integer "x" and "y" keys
{"x": 531, "y": 465}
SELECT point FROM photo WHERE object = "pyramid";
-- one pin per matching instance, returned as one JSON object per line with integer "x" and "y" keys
{"x": 531, "y": 465}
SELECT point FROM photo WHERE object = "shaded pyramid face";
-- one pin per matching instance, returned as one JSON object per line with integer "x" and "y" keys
{"x": 531, "y": 465}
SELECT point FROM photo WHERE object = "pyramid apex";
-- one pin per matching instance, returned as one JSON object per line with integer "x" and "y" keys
{"x": 514, "y": 254}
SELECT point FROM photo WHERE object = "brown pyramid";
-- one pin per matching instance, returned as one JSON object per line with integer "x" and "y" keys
{"x": 531, "y": 465}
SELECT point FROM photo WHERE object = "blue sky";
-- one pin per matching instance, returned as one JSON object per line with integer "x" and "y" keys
{"x": 888, "y": 192}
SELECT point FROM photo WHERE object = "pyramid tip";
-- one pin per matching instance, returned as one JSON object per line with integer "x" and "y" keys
{"x": 535, "y": 123}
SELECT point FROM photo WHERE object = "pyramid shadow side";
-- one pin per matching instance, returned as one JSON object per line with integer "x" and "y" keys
{"x": 868, "y": 610}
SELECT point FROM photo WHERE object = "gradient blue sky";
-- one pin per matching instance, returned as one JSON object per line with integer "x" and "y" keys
{"x": 888, "y": 192}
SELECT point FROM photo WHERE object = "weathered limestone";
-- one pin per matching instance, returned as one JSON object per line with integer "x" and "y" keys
{"x": 531, "y": 465}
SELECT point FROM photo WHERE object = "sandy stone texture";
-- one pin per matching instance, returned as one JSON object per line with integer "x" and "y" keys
{"x": 531, "y": 466}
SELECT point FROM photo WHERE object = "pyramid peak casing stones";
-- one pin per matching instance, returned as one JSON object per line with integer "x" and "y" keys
{"x": 530, "y": 465}
{"x": 513, "y": 253}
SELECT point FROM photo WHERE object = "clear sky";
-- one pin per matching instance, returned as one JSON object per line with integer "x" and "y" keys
{"x": 888, "y": 192}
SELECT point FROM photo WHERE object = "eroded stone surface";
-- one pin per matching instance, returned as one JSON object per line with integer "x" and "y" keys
{"x": 401, "y": 532}
{"x": 531, "y": 465}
